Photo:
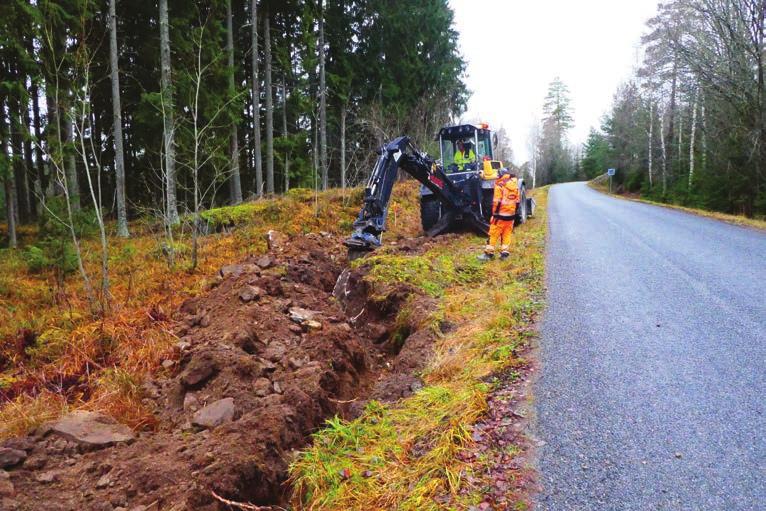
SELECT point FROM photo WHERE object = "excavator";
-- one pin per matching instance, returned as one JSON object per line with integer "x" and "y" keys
{"x": 452, "y": 195}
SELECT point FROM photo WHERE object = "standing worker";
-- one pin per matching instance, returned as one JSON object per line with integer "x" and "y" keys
{"x": 464, "y": 155}
{"x": 503, "y": 214}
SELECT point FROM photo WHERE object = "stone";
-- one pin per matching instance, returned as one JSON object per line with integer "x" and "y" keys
{"x": 275, "y": 240}
{"x": 168, "y": 363}
{"x": 35, "y": 462}
{"x": 296, "y": 329}
{"x": 91, "y": 429}
{"x": 312, "y": 325}
{"x": 277, "y": 388}
{"x": 11, "y": 457}
{"x": 235, "y": 270}
{"x": 22, "y": 443}
{"x": 300, "y": 315}
{"x": 150, "y": 390}
{"x": 191, "y": 402}
{"x": 47, "y": 477}
{"x": 264, "y": 261}
{"x": 215, "y": 414}
{"x": 250, "y": 293}
{"x": 199, "y": 370}
{"x": 103, "y": 481}
{"x": 275, "y": 352}
{"x": 262, "y": 387}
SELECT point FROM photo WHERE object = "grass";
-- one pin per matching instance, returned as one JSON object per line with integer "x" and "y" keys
{"x": 740, "y": 220}
{"x": 107, "y": 358}
{"x": 406, "y": 455}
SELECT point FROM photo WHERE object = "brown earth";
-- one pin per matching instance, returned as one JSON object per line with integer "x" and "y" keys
{"x": 277, "y": 344}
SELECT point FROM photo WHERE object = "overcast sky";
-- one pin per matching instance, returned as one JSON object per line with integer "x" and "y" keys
{"x": 514, "y": 48}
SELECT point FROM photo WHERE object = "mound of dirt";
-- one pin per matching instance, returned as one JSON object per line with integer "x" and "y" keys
{"x": 278, "y": 343}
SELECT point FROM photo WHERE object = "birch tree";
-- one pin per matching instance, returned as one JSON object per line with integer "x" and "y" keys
{"x": 119, "y": 158}
{"x": 256, "y": 86}
{"x": 171, "y": 205}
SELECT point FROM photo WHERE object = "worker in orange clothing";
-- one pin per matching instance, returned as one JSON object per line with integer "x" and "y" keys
{"x": 504, "y": 200}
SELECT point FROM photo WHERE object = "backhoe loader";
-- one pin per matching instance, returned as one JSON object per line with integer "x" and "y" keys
{"x": 451, "y": 195}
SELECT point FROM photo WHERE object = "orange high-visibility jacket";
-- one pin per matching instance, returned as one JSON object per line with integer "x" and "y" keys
{"x": 505, "y": 197}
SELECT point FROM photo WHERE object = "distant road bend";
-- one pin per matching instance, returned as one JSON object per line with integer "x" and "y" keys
{"x": 653, "y": 387}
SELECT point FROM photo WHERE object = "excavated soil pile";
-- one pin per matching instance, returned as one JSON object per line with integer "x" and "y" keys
{"x": 264, "y": 357}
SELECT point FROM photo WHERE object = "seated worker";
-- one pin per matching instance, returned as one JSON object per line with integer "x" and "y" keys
{"x": 464, "y": 155}
{"x": 503, "y": 213}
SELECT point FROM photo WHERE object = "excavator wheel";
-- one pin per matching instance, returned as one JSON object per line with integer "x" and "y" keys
{"x": 521, "y": 214}
{"x": 430, "y": 211}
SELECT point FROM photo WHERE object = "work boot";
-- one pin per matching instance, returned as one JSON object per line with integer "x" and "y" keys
{"x": 504, "y": 255}
{"x": 486, "y": 257}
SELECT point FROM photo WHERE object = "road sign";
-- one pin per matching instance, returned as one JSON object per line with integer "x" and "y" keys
{"x": 610, "y": 172}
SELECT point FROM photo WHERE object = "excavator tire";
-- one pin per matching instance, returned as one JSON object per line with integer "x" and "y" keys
{"x": 430, "y": 211}
{"x": 521, "y": 213}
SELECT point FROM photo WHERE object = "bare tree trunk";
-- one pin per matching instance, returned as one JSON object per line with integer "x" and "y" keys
{"x": 22, "y": 206}
{"x": 672, "y": 111}
{"x": 692, "y": 137}
{"x": 39, "y": 165}
{"x": 269, "y": 107}
{"x": 168, "y": 116}
{"x": 285, "y": 133}
{"x": 8, "y": 184}
{"x": 651, "y": 137}
{"x": 703, "y": 163}
{"x": 29, "y": 162}
{"x": 119, "y": 158}
{"x": 322, "y": 100}
{"x": 71, "y": 162}
{"x": 680, "y": 141}
{"x": 343, "y": 113}
{"x": 664, "y": 155}
{"x": 235, "y": 183}
{"x": 256, "y": 101}
{"x": 315, "y": 157}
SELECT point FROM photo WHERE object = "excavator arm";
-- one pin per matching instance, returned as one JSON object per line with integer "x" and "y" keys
{"x": 402, "y": 154}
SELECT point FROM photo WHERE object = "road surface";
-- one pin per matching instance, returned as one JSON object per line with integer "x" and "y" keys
{"x": 652, "y": 394}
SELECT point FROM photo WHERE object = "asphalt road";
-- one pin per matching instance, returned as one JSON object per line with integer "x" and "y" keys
{"x": 652, "y": 393}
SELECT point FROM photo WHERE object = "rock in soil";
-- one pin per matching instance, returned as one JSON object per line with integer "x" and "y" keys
{"x": 90, "y": 429}
{"x": 11, "y": 457}
{"x": 215, "y": 414}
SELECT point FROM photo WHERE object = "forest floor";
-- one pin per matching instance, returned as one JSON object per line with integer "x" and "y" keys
{"x": 278, "y": 374}
{"x": 601, "y": 184}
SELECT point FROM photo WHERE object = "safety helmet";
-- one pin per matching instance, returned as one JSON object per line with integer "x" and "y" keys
{"x": 504, "y": 171}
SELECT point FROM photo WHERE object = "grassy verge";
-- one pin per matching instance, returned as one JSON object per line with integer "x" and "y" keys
{"x": 56, "y": 356}
{"x": 603, "y": 187}
{"x": 406, "y": 455}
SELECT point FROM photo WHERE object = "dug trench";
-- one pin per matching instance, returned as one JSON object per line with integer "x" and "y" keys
{"x": 277, "y": 344}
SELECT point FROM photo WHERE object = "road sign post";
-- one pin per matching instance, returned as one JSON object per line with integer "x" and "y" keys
{"x": 610, "y": 173}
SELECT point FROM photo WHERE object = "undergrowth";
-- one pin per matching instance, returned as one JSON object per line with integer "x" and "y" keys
{"x": 758, "y": 223}
{"x": 405, "y": 455}
{"x": 56, "y": 356}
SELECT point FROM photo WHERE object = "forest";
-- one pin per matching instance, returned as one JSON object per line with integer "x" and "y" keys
{"x": 115, "y": 110}
{"x": 690, "y": 127}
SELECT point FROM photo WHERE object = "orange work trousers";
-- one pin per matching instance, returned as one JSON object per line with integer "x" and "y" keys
{"x": 499, "y": 231}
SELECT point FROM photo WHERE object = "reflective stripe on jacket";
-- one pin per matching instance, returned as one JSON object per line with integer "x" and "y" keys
{"x": 505, "y": 197}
